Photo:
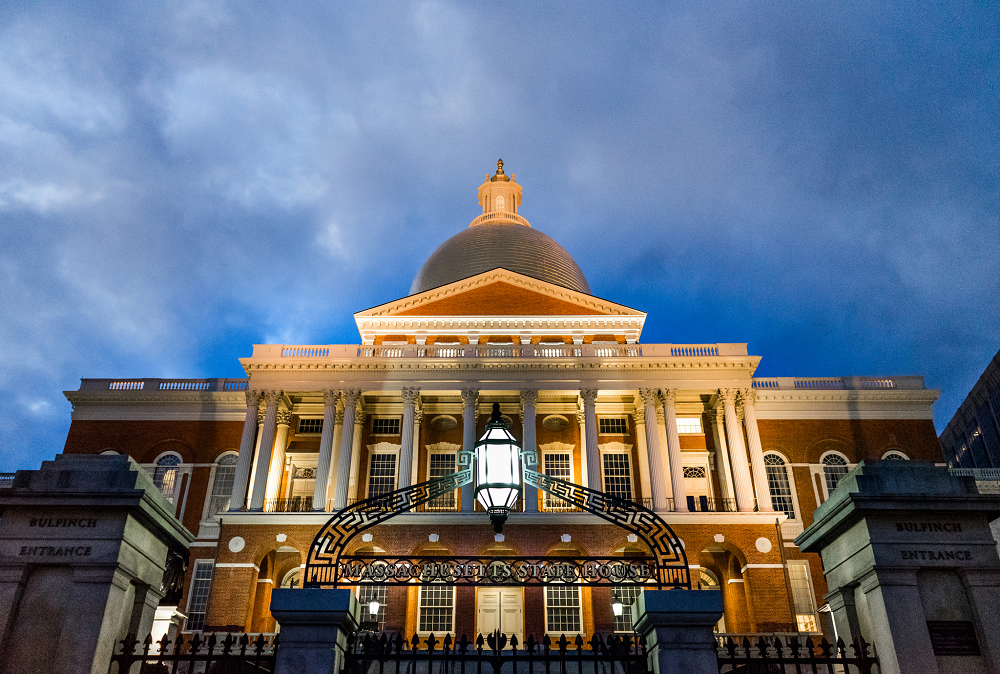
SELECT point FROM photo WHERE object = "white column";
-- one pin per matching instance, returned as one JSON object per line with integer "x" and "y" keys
{"x": 418, "y": 416}
{"x": 256, "y": 452}
{"x": 344, "y": 457}
{"x": 277, "y": 468}
{"x": 239, "y": 494}
{"x": 661, "y": 435}
{"x": 330, "y": 399}
{"x": 593, "y": 452}
{"x": 656, "y": 479}
{"x": 581, "y": 420}
{"x": 338, "y": 434}
{"x": 674, "y": 461}
{"x": 272, "y": 398}
{"x": 528, "y": 399}
{"x": 354, "y": 487}
{"x": 722, "y": 453}
{"x": 742, "y": 482}
{"x": 469, "y": 399}
{"x": 639, "y": 417}
{"x": 748, "y": 397}
{"x": 406, "y": 453}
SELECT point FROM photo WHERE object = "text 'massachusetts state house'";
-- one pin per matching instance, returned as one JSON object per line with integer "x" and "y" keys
{"x": 501, "y": 313}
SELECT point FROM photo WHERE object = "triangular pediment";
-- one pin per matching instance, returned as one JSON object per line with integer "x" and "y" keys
{"x": 500, "y": 293}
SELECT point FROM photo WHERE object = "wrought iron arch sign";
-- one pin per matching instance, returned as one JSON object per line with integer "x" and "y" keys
{"x": 328, "y": 565}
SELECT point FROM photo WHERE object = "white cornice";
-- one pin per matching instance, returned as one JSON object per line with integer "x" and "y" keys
{"x": 877, "y": 404}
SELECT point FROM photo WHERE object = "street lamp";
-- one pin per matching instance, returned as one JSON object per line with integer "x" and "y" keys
{"x": 371, "y": 625}
{"x": 498, "y": 483}
{"x": 617, "y": 607}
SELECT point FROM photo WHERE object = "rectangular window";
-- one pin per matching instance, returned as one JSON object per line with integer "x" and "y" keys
{"x": 803, "y": 597}
{"x": 558, "y": 465}
{"x": 381, "y": 474}
{"x": 612, "y": 426}
{"x": 777, "y": 483}
{"x": 689, "y": 425}
{"x": 626, "y": 594}
{"x": 439, "y": 465}
{"x": 368, "y": 593}
{"x": 385, "y": 425}
{"x": 201, "y": 585}
{"x": 617, "y": 475}
{"x": 437, "y": 609}
{"x": 562, "y": 610}
{"x": 310, "y": 426}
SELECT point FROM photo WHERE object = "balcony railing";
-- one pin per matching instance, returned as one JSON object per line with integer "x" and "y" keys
{"x": 454, "y": 350}
{"x": 295, "y": 504}
{"x": 838, "y": 383}
{"x": 148, "y": 385}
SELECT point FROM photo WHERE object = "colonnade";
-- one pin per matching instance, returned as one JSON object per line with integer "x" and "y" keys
{"x": 261, "y": 456}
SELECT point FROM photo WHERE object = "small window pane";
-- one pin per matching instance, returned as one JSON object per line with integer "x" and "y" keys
{"x": 777, "y": 482}
{"x": 612, "y": 426}
{"x": 222, "y": 486}
{"x": 382, "y": 476}
{"x": 165, "y": 475}
{"x": 562, "y": 609}
{"x": 689, "y": 425}
{"x": 441, "y": 464}
{"x": 437, "y": 606}
{"x": 617, "y": 476}
{"x": 201, "y": 585}
{"x": 834, "y": 468}
{"x": 802, "y": 597}
{"x": 694, "y": 471}
{"x": 310, "y": 426}
{"x": 385, "y": 426}
{"x": 557, "y": 465}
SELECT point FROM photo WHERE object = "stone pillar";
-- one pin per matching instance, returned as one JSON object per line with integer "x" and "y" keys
{"x": 748, "y": 397}
{"x": 650, "y": 397}
{"x": 238, "y": 496}
{"x": 639, "y": 417}
{"x": 418, "y": 416}
{"x": 346, "y": 440}
{"x": 677, "y": 629}
{"x": 593, "y": 452}
{"x": 737, "y": 454}
{"x": 272, "y": 398}
{"x": 354, "y": 486}
{"x": 330, "y": 399}
{"x": 314, "y": 628}
{"x": 528, "y": 399}
{"x": 674, "y": 460}
{"x": 718, "y": 417}
{"x": 277, "y": 467}
{"x": 469, "y": 415}
{"x": 585, "y": 478}
{"x": 406, "y": 453}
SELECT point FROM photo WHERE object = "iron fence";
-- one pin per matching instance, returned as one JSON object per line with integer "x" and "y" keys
{"x": 772, "y": 656}
{"x": 229, "y": 654}
{"x": 385, "y": 654}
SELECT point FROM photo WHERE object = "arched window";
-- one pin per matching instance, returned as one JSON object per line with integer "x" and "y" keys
{"x": 778, "y": 484}
{"x": 165, "y": 475}
{"x": 895, "y": 456}
{"x": 222, "y": 484}
{"x": 292, "y": 579}
{"x": 834, "y": 468}
{"x": 500, "y": 202}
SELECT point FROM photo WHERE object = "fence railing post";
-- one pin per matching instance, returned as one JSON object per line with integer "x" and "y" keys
{"x": 676, "y": 626}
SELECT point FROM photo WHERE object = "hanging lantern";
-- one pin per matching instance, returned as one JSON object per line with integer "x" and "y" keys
{"x": 498, "y": 470}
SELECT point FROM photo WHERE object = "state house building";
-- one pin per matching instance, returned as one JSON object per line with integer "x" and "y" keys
{"x": 501, "y": 313}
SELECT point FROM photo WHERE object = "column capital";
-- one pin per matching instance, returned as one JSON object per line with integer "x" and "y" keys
{"x": 253, "y": 397}
{"x": 669, "y": 395}
{"x": 748, "y": 396}
{"x": 418, "y": 416}
{"x": 359, "y": 415}
{"x": 351, "y": 396}
{"x": 581, "y": 417}
{"x": 639, "y": 415}
{"x": 470, "y": 396}
{"x": 719, "y": 415}
{"x": 261, "y": 413}
{"x": 284, "y": 418}
{"x": 529, "y": 396}
{"x": 338, "y": 416}
{"x": 728, "y": 395}
{"x": 589, "y": 396}
{"x": 739, "y": 413}
{"x": 331, "y": 396}
{"x": 410, "y": 395}
{"x": 273, "y": 396}
{"x": 650, "y": 396}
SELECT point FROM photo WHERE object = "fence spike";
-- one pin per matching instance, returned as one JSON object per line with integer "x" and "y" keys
{"x": 563, "y": 643}
{"x": 400, "y": 642}
{"x": 228, "y": 643}
{"x": 258, "y": 644}
{"x": 530, "y": 644}
{"x": 464, "y": 643}
{"x": 415, "y": 642}
{"x": 244, "y": 642}
{"x": 147, "y": 643}
{"x": 513, "y": 642}
{"x": 196, "y": 643}
{"x": 447, "y": 642}
{"x": 431, "y": 642}
{"x": 546, "y": 642}
{"x": 841, "y": 647}
{"x": 479, "y": 642}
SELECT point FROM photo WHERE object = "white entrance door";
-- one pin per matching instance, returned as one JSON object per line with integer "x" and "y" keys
{"x": 501, "y": 608}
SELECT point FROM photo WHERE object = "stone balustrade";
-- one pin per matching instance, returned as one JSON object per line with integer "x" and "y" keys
{"x": 337, "y": 351}
{"x": 210, "y": 385}
{"x": 838, "y": 383}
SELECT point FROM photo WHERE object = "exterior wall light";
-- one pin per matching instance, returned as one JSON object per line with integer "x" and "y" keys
{"x": 617, "y": 607}
{"x": 498, "y": 470}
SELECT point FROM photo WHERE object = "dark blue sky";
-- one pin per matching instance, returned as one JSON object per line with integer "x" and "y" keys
{"x": 180, "y": 180}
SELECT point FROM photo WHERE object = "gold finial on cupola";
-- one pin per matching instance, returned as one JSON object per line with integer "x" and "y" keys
{"x": 499, "y": 174}
{"x": 500, "y": 197}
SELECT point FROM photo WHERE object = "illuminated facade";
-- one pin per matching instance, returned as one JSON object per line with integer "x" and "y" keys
{"x": 501, "y": 313}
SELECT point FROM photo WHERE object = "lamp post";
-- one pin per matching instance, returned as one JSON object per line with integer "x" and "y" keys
{"x": 371, "y": 625}
{"x": 498, "y": 470}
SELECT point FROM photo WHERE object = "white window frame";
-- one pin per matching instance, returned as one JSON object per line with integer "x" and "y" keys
{"x": 902, "y": 455}
{"x": 621, "y": 448}
{"x": 371, "y": 426}
{"x": 623, "y": 417}
{"x": 309, "y": 434}
{"x": 701, "y": 426}
{"x": 205, "y": 516}
{"x": 194, "y": 574}
{"x": 545, "y": 596}
{"x": 420, "y": 608}
{"x": 804, "y": 563}
{"x": 789, "y": 528}
{"x": 431, "y": 451}
{"x": 547, "y": 499}
{"x": 381, "y": 448}
{"x": 822, "y": 469}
